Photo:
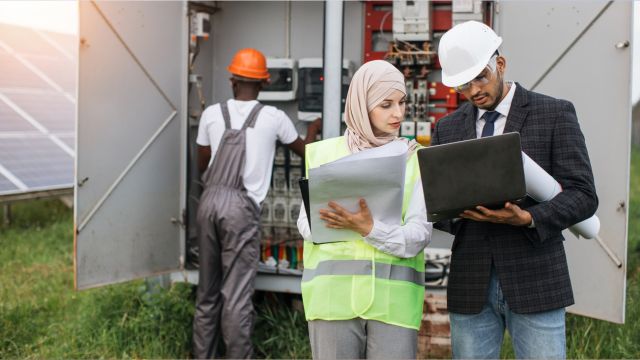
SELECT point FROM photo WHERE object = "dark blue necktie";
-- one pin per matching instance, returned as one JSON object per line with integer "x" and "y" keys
{"x": 490, "y": 118}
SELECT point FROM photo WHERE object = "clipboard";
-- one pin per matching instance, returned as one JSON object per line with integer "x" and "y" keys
{"x": 304, "y": 189}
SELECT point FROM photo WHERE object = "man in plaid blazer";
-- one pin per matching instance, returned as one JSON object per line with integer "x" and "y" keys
{"x": 508, "y": 268}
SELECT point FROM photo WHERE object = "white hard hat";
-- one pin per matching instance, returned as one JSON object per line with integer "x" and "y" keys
{"x": 465, "y": 50}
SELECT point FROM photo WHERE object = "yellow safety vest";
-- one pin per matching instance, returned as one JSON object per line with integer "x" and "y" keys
{"x": 346, "y": 280}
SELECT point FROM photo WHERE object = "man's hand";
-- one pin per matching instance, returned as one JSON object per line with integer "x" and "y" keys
{"x": 511, "y": 214}
{"x": 316, "y": 124}
{"x": 313, "y": 129}
{"x": 340, "y": 218}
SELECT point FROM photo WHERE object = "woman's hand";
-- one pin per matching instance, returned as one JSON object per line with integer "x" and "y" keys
{"x": 340, "y": 218}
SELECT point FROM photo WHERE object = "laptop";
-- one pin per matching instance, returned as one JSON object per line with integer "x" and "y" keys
{"x": 461, "y": 175}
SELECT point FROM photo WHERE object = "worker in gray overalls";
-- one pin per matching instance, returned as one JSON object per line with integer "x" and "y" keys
{"x": 241, "y": 135}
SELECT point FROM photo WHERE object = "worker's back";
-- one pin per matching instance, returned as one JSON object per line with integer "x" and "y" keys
{"x": 271, "y": 125}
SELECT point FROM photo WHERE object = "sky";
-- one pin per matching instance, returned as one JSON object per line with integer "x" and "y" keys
{"x": 62, "y": 16}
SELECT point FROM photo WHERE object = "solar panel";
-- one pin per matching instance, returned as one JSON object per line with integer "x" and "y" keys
{"x": 53, "y": 111}
{"x": 37, "y": 112}
{"x": 69, "y": 44}
{"x": 57, "y": 69}
{"x": 69, "y": 139}
{"x": 37, "y": 162}
{"x": 11, "y": 121}
{"x": 25, "y": 40}
{"x": 15, "y": 74}
{"x": 6, "y": 186}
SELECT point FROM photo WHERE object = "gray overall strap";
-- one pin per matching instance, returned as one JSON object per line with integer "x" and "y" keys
{"x": 225, "y": 115}
{"x": 228, "y": 164}
{"x": 253, "y": 117}
{"x": 248, "y": 123}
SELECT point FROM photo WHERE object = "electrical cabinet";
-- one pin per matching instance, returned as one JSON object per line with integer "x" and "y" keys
{"x": 312, "y": 87}
{"x": 283, "y": 81}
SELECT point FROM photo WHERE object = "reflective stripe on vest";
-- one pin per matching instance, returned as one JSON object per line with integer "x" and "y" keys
{"x": 351, "y": 279}
{"x": 364, "y": 267}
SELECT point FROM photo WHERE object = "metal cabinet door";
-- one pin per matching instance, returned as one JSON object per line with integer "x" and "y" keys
{"x": 130, "y": 127}
{"x": 580, "y": 51}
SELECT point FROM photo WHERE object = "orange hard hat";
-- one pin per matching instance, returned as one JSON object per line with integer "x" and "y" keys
{"x": 249, "y": 63}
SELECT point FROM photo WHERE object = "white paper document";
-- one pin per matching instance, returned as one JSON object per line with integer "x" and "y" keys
{"x": 543, "y": 187}
{"x": 376, "y": 175}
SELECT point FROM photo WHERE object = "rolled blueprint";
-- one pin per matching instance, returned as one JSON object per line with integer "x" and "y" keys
{"x": 543, "y": 187}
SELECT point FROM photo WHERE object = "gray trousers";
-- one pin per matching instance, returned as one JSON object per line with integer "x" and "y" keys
{"x": 361, "y": 339}
{"x": 229, "y": 239}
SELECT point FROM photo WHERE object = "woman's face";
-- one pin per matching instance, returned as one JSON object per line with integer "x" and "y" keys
{"x": 386, "y": 117}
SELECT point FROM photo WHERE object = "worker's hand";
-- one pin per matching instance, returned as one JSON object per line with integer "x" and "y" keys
{"x": 316, "y": 124}
{"x": 511, "y": 214}
{"x": 313, "y": 129}
{"x": 340, "y": 218}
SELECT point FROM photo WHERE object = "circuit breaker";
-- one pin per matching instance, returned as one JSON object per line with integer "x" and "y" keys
{"x": 311, "y": 87}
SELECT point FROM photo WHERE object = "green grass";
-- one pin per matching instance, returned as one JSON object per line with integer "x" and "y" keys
{"x": 41, "y": 316}
{"x": 280, "y": 332}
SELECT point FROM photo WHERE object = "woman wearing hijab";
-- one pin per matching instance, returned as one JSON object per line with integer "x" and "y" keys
{"x": 363, "y": 297}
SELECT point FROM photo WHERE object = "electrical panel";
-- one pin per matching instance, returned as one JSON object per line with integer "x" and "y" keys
{"x": 412, "y": 42}
{"x": 200, "y": 25}
{"x": 283, "y": 83}
{"x": 411, "y": 20}
{"x": 465, "y": 10}
{"x": 311, "y": 87}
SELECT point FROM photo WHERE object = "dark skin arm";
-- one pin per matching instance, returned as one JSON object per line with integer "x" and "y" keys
{"x": 204, "y": 155}
{"x": 204, "y": 152}
{"x": 312, "y": 130}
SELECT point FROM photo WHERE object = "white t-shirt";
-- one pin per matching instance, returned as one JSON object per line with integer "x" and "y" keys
{"x": 271, "y": 125}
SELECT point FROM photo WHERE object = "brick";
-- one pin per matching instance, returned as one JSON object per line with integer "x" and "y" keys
{"x": 439, "y": 348}
{"x": 434, "y": 340}
{"x": 438, "y": 330}
{"x": 435, "y": 303}
{"x": 433, "y": 347}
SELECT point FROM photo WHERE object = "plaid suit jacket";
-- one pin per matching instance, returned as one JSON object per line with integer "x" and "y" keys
{"x": 530, "y": 262}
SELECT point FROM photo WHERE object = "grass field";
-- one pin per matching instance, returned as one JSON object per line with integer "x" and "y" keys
{"x": 41, "y": 316}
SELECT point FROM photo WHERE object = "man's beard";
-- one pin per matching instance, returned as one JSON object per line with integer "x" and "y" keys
{"x": 498, "y": 94}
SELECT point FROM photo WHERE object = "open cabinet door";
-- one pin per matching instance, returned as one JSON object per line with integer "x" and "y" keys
{"x": 580, "y": 51}
{"x": 130, "y": 124}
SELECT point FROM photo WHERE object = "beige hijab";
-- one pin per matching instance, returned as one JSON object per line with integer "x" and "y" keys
{"x": 371, "y": 84}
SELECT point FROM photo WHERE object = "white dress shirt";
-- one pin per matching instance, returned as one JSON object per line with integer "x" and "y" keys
{"x": 403, "y": 241}
{"x": 503, "y": 108}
